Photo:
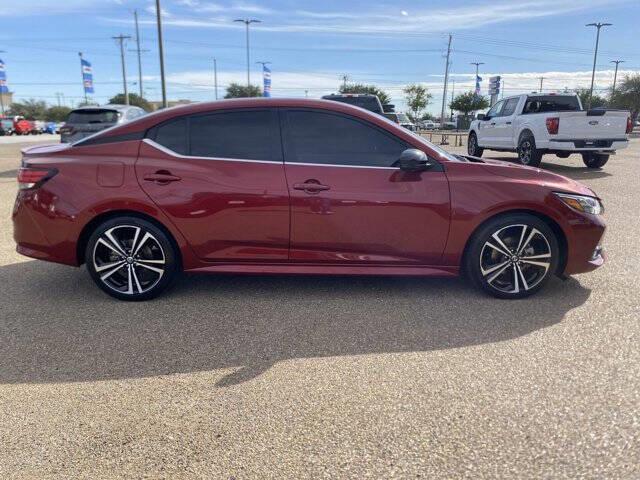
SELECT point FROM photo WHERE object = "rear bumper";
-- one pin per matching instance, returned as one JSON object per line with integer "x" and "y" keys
{"x": 586, "y": 145}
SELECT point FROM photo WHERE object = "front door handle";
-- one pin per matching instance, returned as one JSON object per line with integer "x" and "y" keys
{"x": 310, "y": 186}
{"x": 508, "y": 123}
{"x": 162, "y": 177}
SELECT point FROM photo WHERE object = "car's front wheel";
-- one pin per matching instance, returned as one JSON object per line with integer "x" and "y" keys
{"x": 131, "y": 259}
{"x": 472, "y": 146}
{"x": 512, "y": 256}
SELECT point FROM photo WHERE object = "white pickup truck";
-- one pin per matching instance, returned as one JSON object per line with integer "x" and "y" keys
{"x": 535, "y": 124}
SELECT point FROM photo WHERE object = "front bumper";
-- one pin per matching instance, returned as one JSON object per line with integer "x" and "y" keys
{"x": 584, "y": 245}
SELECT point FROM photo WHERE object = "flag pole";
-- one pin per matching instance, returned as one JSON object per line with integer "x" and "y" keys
{"x": 82, "y": 76}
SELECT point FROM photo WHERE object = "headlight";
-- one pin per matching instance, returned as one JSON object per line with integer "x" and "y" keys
{"x": 582, "y": 203}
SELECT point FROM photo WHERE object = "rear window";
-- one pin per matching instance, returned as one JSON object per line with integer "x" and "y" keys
{"x": 551, "y": 103}
{"x": 97, "y": 115}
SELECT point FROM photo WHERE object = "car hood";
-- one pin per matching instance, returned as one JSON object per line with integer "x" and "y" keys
{"x": 544, "y": 178}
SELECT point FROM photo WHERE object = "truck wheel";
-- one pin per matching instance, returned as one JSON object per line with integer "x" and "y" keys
{"x": 472, "y": 146}
{"x": 528, "y": 154}
{"x": 595, "y": 160}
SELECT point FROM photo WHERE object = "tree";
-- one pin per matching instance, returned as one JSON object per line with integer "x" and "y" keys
{"x": 134, "y": 99}
{"x": 57, "y": 114}
{"x": 364, "y": 88}
{"x": 468, "y": 102}
{"x": 627, "y": 95}
{"x": 418, "y": 98}
{"x": 596, "y": 100}
{"x": 235, "y": 90}
{"x": 31, "y": 109}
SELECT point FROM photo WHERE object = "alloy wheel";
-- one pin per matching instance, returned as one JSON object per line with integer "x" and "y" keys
{"x": 515, "y": 259}
{"x": 129, "y": 259}
{"x": 525, "y": 152}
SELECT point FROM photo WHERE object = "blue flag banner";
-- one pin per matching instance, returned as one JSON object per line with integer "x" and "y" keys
{"x": 3, "y": 79}
{"x": 87, "y": 76}
{"x": 478, "y": 80}
{"x": 266, "y": 76}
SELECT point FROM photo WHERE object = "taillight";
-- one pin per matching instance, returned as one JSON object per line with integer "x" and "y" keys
{"x": 29, "y": 178}
{"x": 553, "y": 124}
{"x": 629, "y": 125}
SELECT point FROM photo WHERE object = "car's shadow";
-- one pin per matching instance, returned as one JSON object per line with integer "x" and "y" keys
{"x": 56, "y": 326}
{"x": 579, "y": 172}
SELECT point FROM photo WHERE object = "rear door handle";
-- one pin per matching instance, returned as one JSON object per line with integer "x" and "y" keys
{"x": 161, "y": 177}
{"x": 310, "y": 186}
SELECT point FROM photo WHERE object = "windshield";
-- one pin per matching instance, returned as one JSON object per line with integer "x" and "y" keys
{"x": 97, "y": 115}
{"x": 402, "y": 117}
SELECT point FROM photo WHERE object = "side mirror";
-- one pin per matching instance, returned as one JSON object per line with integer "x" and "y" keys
{"x": 482, "y": 116}
{"x": 413, "y": 160}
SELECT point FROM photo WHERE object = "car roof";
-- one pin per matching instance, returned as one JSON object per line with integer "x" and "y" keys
{"x": 109, "y": 106}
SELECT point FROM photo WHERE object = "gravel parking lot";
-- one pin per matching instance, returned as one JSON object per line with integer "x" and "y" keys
{"x": 325, "y": 377}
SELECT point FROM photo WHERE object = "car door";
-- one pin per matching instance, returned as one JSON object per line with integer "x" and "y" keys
{"x": 220, "y": 178}
{"x": 503, "y": 128}
{"x": 349, "y": 204}
{"x": 486, "y": 127}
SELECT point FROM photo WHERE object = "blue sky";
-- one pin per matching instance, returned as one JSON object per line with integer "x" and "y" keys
{"x": 311, "y": 44}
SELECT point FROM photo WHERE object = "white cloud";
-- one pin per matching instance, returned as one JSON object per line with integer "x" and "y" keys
{"x": 404, "y": 13}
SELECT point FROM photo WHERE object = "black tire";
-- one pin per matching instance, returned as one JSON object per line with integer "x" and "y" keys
{"x": 528, "y": 154}
{"x": 127, "y": 271}
{"x": 472, "y": 146}
{"x": 491, "y": 270}
{"x": 595, "y": 160}
{"x": 563, "y": 154}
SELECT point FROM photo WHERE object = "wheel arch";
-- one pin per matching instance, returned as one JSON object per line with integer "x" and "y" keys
{"x": 525, "y": 130}
{"x": 88, "y": 229}
{"x": 551, "y": 223}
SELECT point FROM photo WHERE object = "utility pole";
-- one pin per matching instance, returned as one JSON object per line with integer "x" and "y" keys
{"x": 247, "y": 22}
{"x": 161, "y": 52}
{"x": 446, "y": 79}
{"x": 121, "y": 39}
{"x": 345, "y": 79}
{"x": 541, "y": 80}
{"x": 2, "y": 95}
{"x": 453, "y": 90}
{"x": 215, "y": 76}
{"x": 139, "y": 51}
{"x": 595, "y": 56}
{"x": 615, "y": 75}
{"x": 477, "y": 64}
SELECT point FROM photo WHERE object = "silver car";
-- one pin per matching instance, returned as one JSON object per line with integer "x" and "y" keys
{"x": 85, "y": 121}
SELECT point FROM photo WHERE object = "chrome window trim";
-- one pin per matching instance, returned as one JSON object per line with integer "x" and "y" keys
{"x": 168, "y": 151}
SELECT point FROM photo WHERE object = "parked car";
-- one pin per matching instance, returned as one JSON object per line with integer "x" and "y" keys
{"x": 295, "y": 186}
{"x": 535, "y": 124}
{"x": 6, "y": 126}
{"x": 50, "y": 128}
{"x": 401, "y": 119}
{"x": 85, "y": 121}
{"x": 363, "y": 100}
{"x": 427, "y": 125}
{"x": 21, "y": 126}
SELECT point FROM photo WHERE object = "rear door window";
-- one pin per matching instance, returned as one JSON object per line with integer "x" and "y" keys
{"x": 509, "y": 107}
{"x": 91, "y": 116}
{"x": 172, "y": 135}
{"x": 243, "y": 134}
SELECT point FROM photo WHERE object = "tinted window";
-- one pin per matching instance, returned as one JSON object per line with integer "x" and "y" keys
{"x": 495, "y": 110}
{"x": 173, "y": 135}
{"x": 92, "y": 115}
{"x": 249, "y": 135}
{"x": 551, "y": 103}
{"x": 509, "y": 107}
{"x": 325, "y": 138}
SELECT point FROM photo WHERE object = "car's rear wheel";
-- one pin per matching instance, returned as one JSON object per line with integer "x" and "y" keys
{"x": 512, "y": 256}
{"x": 131, "y": 259}
{"x": 528, "y": 154}
{"x": 472, "y": 146}
{"x": 595, "y": 160}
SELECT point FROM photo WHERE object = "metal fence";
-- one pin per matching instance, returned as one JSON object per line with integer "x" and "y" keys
{"x": 446, "y": 137}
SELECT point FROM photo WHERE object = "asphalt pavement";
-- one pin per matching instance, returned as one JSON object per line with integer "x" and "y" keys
{"x": 325, "y": 377}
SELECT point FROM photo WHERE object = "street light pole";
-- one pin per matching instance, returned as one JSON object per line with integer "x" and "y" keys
{"x": 2, "y": 95}
{"x": 215, "y": 76}
{"x": 161, "y": 52}
{"x": 247, "y": 22}
{"x": 541, "y": 80}
{"x": 615, "y": 75}
{"x": 598, "y": 25}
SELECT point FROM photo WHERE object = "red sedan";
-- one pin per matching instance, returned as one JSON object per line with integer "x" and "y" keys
{"x": 284, "y": 186}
